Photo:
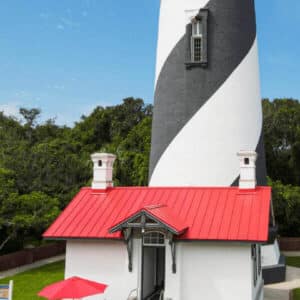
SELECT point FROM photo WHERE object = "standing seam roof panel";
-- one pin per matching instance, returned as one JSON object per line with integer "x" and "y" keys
{"x": 209, "y": 213}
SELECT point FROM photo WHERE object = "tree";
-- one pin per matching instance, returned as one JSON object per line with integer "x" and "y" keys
{"x": 26, "y": 215}
{"x": 107, "y": 125}
{"x": 133, "y": 155}
{"x": 286, "y": 202}
{"x": 282, "y": 138}
{"x": 42, "y": 165}
{"x": 30, "y": 115}
{"x": 57, "y": 169}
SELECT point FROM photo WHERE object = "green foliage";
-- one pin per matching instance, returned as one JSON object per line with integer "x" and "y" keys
{"x": 131, "y": 167}
{"x": 282, "y": 139}
{"x": 30, "y": 115}
{"x": 293, "y": 261}
{"x": 43, "y": 165}
{"x": 282, "y": 146}
{"x": 29, "y": 283}
{"x": 296, "y": 294}
{"x": 286, "y": 202}
{"x": 7, "y": 183}
{"x": 26, "y": 215}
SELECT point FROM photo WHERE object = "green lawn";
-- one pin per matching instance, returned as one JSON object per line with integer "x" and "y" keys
{"x": 27, "y": 284}
{"x": 294, "y": 262}
{"x": 297, "y": 294}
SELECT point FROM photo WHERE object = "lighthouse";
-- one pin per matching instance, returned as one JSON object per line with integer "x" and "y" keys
{"x": 207, "y": 94}
{"x": 207, "y": 98}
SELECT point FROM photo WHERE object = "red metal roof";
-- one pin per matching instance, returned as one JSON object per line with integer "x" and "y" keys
{"x": 160, "y": 213}
{"x": 228, "y": 213}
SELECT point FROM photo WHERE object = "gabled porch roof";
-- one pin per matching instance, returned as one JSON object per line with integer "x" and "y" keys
{"x": 160, "y": 215}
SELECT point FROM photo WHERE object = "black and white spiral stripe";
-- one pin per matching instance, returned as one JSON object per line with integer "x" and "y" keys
{"x": 204, "y": 116}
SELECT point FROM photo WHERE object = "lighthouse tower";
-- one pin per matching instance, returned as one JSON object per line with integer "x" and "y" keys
{"x": 207, "y": 95}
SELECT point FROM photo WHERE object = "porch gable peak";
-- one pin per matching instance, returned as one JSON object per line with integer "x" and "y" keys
{"x": 153, "y": 217}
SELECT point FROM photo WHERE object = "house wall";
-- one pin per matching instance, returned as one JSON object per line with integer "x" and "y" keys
{"x": 222, "y": 271}
{"x": 270, "y": 254}
{"x": 211, "y": 270}
{"x": 106, "y": 262}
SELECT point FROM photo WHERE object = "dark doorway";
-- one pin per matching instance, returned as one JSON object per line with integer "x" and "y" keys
{"x": 153, "y": 272}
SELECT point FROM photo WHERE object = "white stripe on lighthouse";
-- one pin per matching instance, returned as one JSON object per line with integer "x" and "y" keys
{"x": 204, "y": 151}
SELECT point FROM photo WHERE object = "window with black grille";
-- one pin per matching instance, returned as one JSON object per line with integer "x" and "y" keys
{"x": 197, "y": 49}
{"x": 259, "y": 260}
{"x": 196, "y": 41}
{"x": 256, "y": 261}
{"x": 153, "y": 238}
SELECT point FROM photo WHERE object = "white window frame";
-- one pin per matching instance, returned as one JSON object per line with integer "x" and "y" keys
{"x": 154, "y": 244}
{"x": 196, "y": 34}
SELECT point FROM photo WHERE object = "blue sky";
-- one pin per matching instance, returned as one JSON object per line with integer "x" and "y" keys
{"x": 68, "y": 56}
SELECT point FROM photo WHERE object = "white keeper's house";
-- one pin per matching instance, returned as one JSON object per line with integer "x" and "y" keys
{"x": 171, "y": 243}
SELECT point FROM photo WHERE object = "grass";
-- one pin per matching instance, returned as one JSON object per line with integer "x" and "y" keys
{"x": 296, "y": 294}
{"x": 293, "y": 261}
{"x": 29, "y": 283}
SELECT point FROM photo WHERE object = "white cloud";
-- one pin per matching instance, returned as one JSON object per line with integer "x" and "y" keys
{"x": 88, "y": 109}
{"x": 44, "y": 15}
{"x": 69, "y": 23}
{"x": 59, "y": 87}
{"x": 10, "y": 109}
{"x": 21, "y": 94}
{"x": 60, "y": 27}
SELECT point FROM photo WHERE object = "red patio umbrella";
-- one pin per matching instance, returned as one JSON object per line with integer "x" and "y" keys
{"x": 74, "y": 288}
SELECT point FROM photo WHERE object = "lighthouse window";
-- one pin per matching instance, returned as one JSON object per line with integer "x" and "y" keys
{"x": 197, "y": 28}
{"x": 196, "y": 40}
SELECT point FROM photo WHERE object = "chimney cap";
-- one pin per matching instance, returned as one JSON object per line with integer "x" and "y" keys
{"x": 98, "y": 155}
{"x": 249, "y": 153}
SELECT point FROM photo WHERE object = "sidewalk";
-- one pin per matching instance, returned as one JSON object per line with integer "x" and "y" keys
{"x": 34, "y": 265}
{"x": 284, "y": 290}
{"x": 291, "y": 253}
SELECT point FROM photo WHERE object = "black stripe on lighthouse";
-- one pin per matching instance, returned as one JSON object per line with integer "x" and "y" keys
{"x": 181, "y": 92}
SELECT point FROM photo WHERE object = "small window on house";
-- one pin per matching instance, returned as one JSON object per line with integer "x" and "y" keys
{"x": 246, "y": 161}
{"x": 154, "y": 238}
{"x": 99, "y": 163}
{"x": 254, "y": 252}
{"x": 259, "y": 260}
{"x": 196, "y": 41}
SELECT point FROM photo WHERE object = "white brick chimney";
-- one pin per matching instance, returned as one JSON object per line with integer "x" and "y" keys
{"x": 103, "y": 170}
{"x": 247, "y": 169}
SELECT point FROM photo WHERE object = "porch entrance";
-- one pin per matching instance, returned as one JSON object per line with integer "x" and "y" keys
{"x": 157, "y": 227}
{"x": 153, "y": 270}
